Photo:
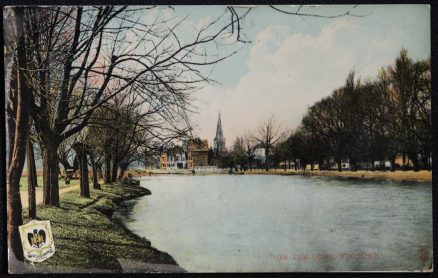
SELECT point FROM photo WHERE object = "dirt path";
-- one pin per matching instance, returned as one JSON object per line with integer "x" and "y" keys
{"x": 39, "y": 195}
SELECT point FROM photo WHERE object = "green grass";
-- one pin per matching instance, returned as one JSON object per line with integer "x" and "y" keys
{"x": 86, "y": 237}
{"x": 24, "y": 184}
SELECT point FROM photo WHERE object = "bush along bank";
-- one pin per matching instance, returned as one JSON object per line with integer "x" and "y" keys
{"x": 87, "y": 237}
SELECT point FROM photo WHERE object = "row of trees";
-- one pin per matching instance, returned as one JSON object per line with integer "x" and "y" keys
{"x": 98, "y": 85}
{"x": 376, "y": 120}
{"x": 361, "y": 123}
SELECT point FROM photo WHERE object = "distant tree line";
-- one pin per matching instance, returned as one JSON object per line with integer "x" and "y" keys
{"x": 374, "y": 120}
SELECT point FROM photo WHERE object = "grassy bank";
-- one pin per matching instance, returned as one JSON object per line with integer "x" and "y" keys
{"x": 358, "y": 175}
{"x": 86, "y": 236}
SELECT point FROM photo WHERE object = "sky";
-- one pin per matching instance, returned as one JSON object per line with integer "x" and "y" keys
{"x": 294, "y": 61}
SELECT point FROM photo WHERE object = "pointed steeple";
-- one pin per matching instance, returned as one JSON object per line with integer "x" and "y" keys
{"x": 219, "y": 133}
{"x": 219, "y": 140}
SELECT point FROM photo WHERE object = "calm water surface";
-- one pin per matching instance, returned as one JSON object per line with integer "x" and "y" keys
{"x": 256, "y": 223}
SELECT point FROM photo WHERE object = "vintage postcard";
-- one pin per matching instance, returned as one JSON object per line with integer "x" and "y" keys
{"x": 281, "y": 138}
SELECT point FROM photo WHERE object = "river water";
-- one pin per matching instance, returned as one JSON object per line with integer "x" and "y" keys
{"x": 258, "y": 223}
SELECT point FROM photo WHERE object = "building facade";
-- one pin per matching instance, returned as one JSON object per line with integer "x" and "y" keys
{"x": 173, "y": 161}
{"x": 198, "y": 154}
{"x": 260, "y": 154}
{"x": 163, "y": 161}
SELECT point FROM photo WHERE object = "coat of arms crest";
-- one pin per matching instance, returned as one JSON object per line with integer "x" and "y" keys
{"x": 37, "y": 240}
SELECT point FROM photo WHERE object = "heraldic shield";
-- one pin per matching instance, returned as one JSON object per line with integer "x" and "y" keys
{"x": 37, "y": 240}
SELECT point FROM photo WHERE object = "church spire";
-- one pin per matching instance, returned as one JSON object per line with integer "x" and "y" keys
{"x": 219, "y": 133}
{"x": 219, "y": 140}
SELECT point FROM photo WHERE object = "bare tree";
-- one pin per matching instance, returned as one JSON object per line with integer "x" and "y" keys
{"x": 85, "y": 56}
{"x": 299, "y": 12}
{"x": 82, "y": 150}
{"x": 18, "y": 128}
{"x": 123, "y": 129}
{"x": 268, "y": 135}
{"x": 249, "y": 144}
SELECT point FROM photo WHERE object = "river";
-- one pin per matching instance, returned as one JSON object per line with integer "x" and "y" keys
{"x": 260, "y": 223}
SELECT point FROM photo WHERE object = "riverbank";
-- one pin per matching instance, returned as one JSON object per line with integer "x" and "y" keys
{"x": 88, "y": 239}
{"x": 348, "y": 175}
{"x": 358, "y": 175}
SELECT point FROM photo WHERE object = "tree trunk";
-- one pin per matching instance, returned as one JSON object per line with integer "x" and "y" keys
{"x": 31, "y": 179}
{"x": 96, "y": 184}
{"x": 50, "y": 172}
{"x": 392, "y": 160}
{"x": 81, "y": 153}
{"x": 18, "y": 147}
{"x": 11, "y": 110}
{"x": 99, "y": 172}
{"x": 83, "y": 168}
{"x": 425, "y": 162}
{"x": 122, "y": 171}
{"x": 414, "y": 158}
{"x": 14, "y": 209}
{"x": 353, "y": 165}
{"x": 339, "y": 162}
{"x": 107, "y": 177}
{"x": 114, "y": 170}
{"x": 404, "y": 162}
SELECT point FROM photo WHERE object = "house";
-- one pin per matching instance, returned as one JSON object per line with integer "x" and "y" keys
{"x": 163, "y": 161}
{"x": 315, "y": 167}
{"x": 399, "y": 162}
{"x": 177, "y": 161}
{"x": 173, "y": 160}
{"x": 260, "y": 154}
{"x": 198, "y": 154}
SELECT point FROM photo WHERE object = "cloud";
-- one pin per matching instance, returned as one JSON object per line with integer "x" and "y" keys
{"x": 289, "y": 71}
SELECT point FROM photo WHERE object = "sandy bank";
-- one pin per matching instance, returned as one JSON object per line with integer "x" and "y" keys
{"x": 361, "y": 175}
